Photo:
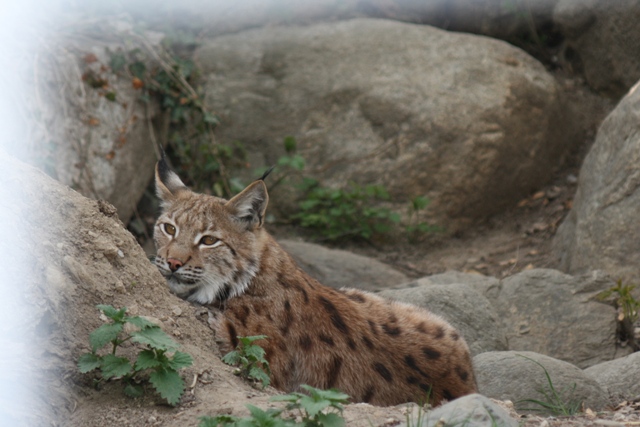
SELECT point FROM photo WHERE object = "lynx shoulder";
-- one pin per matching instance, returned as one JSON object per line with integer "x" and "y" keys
{"x": 217, "y": 252}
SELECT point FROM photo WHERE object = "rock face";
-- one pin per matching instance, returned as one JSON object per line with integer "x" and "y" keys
{"x": 601, "y": 40}
{"x": 619, "y": 377}
{"x": 601, "y": 231}
{"x": 472, "y": 123}
{"x": 336, "y": 268}
{"x": 515, "y": 376}
{"x": 94, "y": 135}
{"x": 463, "y": 306}
{"x": 541, "y": 310}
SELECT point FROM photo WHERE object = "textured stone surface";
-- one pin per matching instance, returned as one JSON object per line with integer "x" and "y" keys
{"x": 463, "y": 306}
{"x": 473, "y": 410}
{"x": 621, "y": 377}
{"x": 507, "y": 375}
{"x": 552, "y": 313}
{"x": 601, "y": 41}
{"x": 602, "y": 230}
{"x": 337, "y": 268}
{"x": 473, "y": 123}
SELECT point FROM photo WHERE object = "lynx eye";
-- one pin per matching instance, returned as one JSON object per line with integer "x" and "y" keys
{"x": 208, "y": 240}
{"x": 170, "y": 229}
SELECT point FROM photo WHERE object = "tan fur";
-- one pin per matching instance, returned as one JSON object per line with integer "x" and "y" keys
{"x": 377, "y": 351}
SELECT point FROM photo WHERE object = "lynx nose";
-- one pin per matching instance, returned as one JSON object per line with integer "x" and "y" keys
{"x": 174, "y": 264}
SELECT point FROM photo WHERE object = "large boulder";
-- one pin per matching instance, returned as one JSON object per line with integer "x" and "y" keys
{"x": 338, "y": 268}
{"x": 521, "y": 376}
{"x": 601, "y": 41}
{"x": 91, "y": 130}
{"x": 472, "y": 123}
{"x": 602, "y": 231}
{"x": 558, "y": 315}
{"x": 620, "y": 376}
{"x": 463, "y": 306}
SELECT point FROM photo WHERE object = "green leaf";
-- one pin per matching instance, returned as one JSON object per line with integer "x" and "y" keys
{"x": 220, "y": 420}
{"x": 292, "y": 397}
{"x": 313, "y": 406}
{"x": 104, "y": 335}
{"x": 331, "y": 420}
{"x": 254, "y": 351}
{"x": 141, "y": 322}
{"x": 259, "y": 374}
{"x": 168, "y": 384}
{"x": 290, "y": 144}
{"x": 88, "y": 362}
{"x": 156, "y": 338}
{"x": 180, "y": 360}
{"x": 113, "y": 366}
{"x": 331, "y": 394}
{"x": 147, "y": 359}
{"x": 112, "y": 313}
{"x": 133, "y": 390}
{"x": 110, "y": 96}
{"x": 246, "y": 341}
{"x": 231, "y": 358}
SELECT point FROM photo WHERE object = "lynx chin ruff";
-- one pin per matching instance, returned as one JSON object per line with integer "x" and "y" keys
{"x": 216, "y": 252}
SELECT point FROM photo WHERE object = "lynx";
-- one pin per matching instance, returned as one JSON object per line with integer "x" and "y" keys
{"x": 217, "y": 252}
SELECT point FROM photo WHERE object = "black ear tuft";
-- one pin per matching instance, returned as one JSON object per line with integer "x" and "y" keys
{"x": 266, "y": 174}
{"x": 167, "y": 182}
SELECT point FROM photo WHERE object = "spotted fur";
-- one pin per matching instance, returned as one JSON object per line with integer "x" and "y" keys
{"x": 216, "y": 252}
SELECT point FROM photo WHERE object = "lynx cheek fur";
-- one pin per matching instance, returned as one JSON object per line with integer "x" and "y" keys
{"x": 214, "y": 251}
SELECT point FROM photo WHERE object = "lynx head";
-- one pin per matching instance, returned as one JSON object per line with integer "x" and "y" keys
{"x": 208, "y": 248}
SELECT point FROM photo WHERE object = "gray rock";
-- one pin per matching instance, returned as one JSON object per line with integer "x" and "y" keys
{"x": 508, "y": 375}
{"x": 473, "y": 123}
{"x": 473, "y": 410}
{"x": 601, "y": 231}
{"x": 464, "y": 307}
{"x": 621, "y": 377}
{"x": 549, "y": 312}
{"x": 337, "y": 268}
{"x": 100, "y": 147}
{"x": 601, "y": 41}
{"x": 488, "y": 286}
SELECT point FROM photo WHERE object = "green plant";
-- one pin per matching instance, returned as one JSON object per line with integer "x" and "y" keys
{"x": 629, "y": 307}
{"x": 335, "y": 214}
{"x": 318, "y": 408}
{"x": 259, "y": 418}
{"x": 251, "y": 359}
{"x": 416, "y": 228}
{"x": 553, "y": 402}
{"x": 160, "y": 357}
{"x": 191, "y": 140}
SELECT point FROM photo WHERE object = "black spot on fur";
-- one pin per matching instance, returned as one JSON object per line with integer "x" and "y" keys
{"x": 335, "y": 316}
{"x": 426, "y": 388}
{"x": 233, "y": 335}
{"x": 394, "y": 331}
{"x": 447, "y": 395}
{"x": 455, "y": 336}
{"x": 327, "y": 340}
{"x": 430, "y": 353}
{"x": 357, "y": 298}
{"x": 287, "y": 321}
{"x": 412, "y": 380}
{"x": 421, "y": 327}
{"x": 372, "y": 326}
{"x": 368, "y": 395}
{"x": 300, "y": 288}
{"x": 351, "y": 344}
{"x": 334, "y": 372}
{"x": 306, "y": 343}
{"x": 439, "y": 332}
{"x": 367, "y": 342}
{"x": 383, "y": 371}
{"x": 282, "y": 345}
{"x": 464, "y": 375}
{"x": 241, "y": 314}
{"x": 411, "y": 362}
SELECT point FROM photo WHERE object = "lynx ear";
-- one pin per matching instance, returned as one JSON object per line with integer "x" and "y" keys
{"x": 249, "y": 206}
{"x": 167, "y": 182}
